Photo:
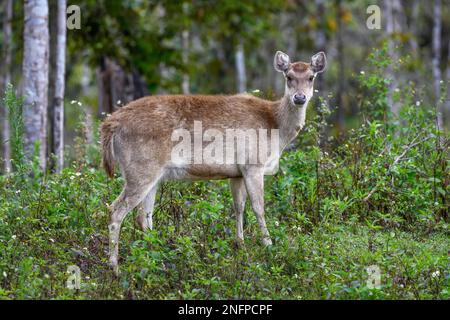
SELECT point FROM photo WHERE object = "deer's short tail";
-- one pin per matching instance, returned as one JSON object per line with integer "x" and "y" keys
{"x": 107, "y": 137}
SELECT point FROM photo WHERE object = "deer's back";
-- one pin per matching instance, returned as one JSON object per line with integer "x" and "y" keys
{"x": 158, "y": 116}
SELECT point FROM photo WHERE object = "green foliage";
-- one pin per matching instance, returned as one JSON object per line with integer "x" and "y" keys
{"x": 191, "y": 253}
{"x": 375, "y": 85}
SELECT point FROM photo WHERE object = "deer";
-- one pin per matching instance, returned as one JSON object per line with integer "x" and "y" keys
{"x": 139, "y": 138}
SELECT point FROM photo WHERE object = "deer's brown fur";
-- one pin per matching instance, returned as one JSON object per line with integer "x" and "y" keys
{"x": 156, "y": 117}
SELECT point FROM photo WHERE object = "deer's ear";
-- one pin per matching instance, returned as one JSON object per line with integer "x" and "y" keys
{"x": 318, "y": 62}
{"x": 281, "y": 62}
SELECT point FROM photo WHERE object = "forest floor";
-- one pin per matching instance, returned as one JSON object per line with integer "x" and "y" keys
{"x": 191, "y": 253}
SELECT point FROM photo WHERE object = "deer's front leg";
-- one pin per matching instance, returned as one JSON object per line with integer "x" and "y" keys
{"x": 254, "y": 182}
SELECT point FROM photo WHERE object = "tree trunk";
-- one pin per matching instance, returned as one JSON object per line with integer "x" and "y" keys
{"x": 288, "y": 37}
{"x": 341, "y": 60}
{"x": 446, "y": 107}
{"x": 35, "y": 77}
{"x": 88, "y": 123}
{"x": 105, "y": 99}
{"x": 240, "y": 68}
{"x": 139, "y": 85}
{"x": 6, "y": 79}
{"x": 436, "y": 59}
{"x": 116, "y": 87}
{"x": 391, "y": 26}
{"x": 413, "y": 27}
{"x": 58, "y": 84}
{"x": 185, "y": 85}
{"x": 319, "y": 36}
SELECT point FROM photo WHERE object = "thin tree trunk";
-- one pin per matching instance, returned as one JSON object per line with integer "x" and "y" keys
{"x": 53, "y": 31}
{"x": 105, "y": 102}
{"x": 289, "y": 38}
{"x": 436, "y": 59}
{"x": 413, "y": 27}
{"x": 447, "y": 78}
{"x": 35, "y": 77}
{"x": 240, "y": 68}
{"x": 341, "y": 60}
{"x": 88, "y": 124}
{"x": 58, "y": 98}
{"x": 101, "y": 98}
{"x": 185, "y": 85}
{"x": 6, "y": 79}
{"x": 271, "y": 81}
{"x": 319, "y": 37}
{"x": 391, "y": 26}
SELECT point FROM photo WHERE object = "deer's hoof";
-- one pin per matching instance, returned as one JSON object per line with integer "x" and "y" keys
{"x": 267, "y": 242}
{"x": 239, "y": 243}
{"x": 144, "y": 223}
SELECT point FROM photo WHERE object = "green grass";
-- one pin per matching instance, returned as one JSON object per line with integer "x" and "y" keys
{"x": 47, "y": 227}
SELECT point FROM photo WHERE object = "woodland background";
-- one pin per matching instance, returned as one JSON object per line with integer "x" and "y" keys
{"x": 367, "y": 182}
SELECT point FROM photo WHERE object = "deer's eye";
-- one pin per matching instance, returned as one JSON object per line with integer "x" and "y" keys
{"x": 311, "y": 78}
{"x": 289, "y": 78}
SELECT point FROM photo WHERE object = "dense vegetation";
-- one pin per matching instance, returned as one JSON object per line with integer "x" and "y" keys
{"x": 377, "y": 196}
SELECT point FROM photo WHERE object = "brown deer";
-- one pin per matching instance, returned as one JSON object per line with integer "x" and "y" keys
{"x": 140, "y": 138}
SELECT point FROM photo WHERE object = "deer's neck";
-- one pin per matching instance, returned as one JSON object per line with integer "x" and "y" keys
{"x": 290, "y": 118}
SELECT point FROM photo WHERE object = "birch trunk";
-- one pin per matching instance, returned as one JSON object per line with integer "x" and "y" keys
{"x": 58, "y": 77}
{"x": 413, "y": 27}
{"x": 185, "y": 85}
{"x": 6, "y": 79}
{"x": 240, "y": 68}
{"x": 446, "y": 107}
{"x": 436, "y": 59}
{"x": 341, "y": 60}
{"x": 35, "y": 77}
{"x": 319, "y": 36}
{"x": 391, "y": 28}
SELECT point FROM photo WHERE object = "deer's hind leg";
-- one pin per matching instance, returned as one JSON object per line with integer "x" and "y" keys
{"x": 145, "y": 208}
{"x": 132, "y": 194}
{"x": 239, "y": 197}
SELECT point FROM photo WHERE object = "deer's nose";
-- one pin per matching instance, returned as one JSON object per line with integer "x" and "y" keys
{"x": 299, "y": 98}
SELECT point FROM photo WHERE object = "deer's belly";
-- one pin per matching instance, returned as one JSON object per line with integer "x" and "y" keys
{"x": 202, "y": 172}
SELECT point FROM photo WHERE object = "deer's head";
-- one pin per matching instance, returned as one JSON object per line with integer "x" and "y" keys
{"x": 299, "y": 76}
